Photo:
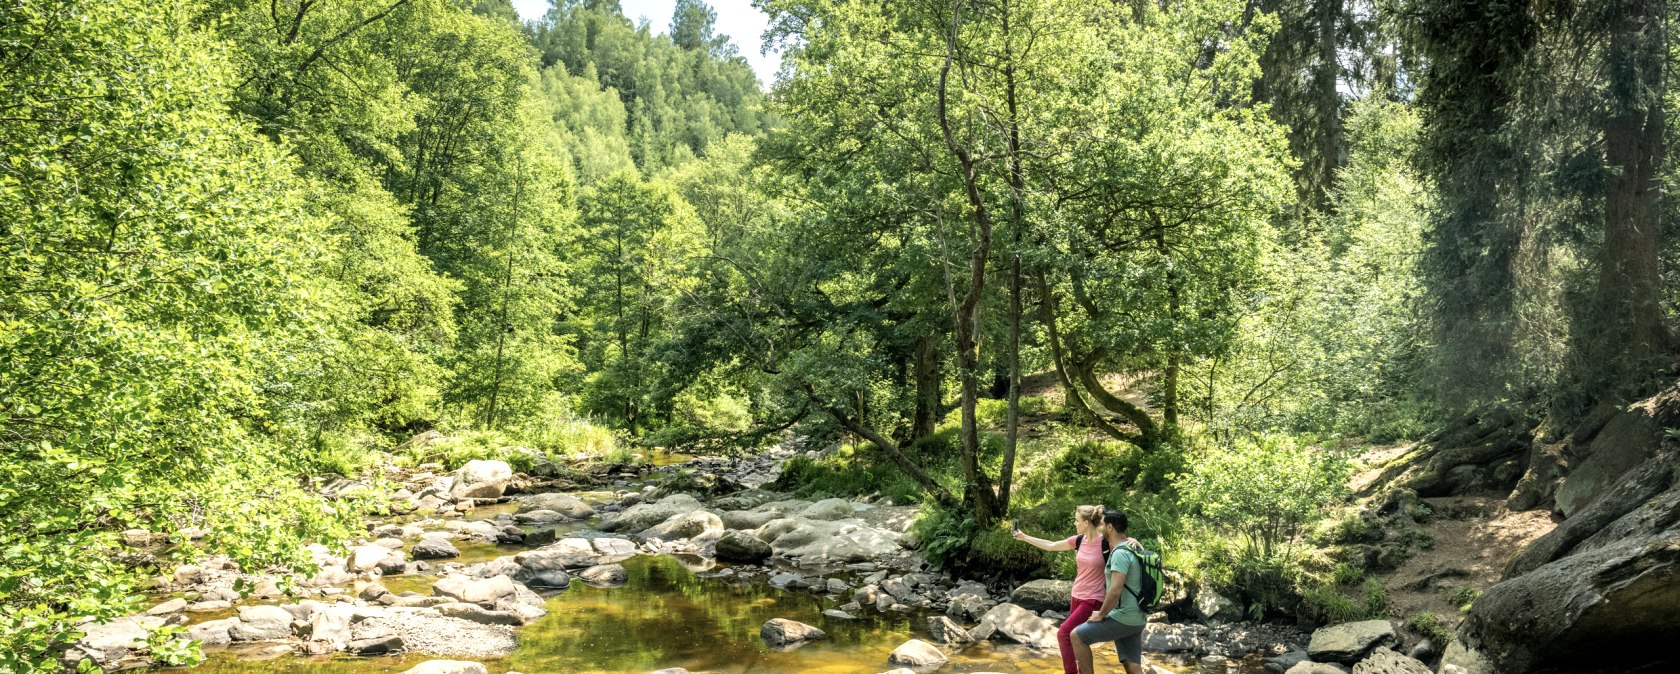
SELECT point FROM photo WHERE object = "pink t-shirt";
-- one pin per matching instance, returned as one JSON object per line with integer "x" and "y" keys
{"x": 1088, "y": 581}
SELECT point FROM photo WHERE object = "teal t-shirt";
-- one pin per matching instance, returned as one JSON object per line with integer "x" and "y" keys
{"x": 1122, "y": 560}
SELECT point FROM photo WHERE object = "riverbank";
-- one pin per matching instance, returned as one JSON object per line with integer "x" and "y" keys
{"x": 627, "y": 569}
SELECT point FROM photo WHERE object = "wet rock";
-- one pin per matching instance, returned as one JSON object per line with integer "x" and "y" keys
{"x": 1169, "y": 638}
{"x": 946, "y": 631}
{"x": 481, "y": 479}
{"x": 781, "y": 632}
{"x": 368, "y": 557}
{"x": 605, "y": 575}
{"x": 261, "y": 623}
{"x": 331, "y": 626}
{"x": 736, "y": 546}
{"x": 539, "y": 517}
{"x": 787, "y": 581}
{"x": 745, "y": 519}
{"x": 1347, "y": 643}
{"x": 837, "y": 542}
{"x": 1310, "y": 667}
{"x": 1279, "y": 664}
{"x": 373, "y": 592}
{"x": 1022, "y": 626}
{"x": 1043, "y": 595}
{"x": 613, "y": 547}
{"x": 918, "y": 653}
{"x": 837, "y": 586}
{"x": 447, "y": 667}
{"x": 106, "y": 644}
{"x": 380, "y": 644}
{"x": 393, "y": 564}
{"x": 1385, "y": 661}
{"x": 434, "y": 548}
{"x": 839, "y": 614}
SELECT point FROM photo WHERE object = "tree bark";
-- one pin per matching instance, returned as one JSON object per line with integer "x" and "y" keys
{"x": 929, "y": 389}
{"x": 1630, "y": 276}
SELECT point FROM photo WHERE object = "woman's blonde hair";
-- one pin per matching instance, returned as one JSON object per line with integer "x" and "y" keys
{"x": 1090, "y": 513}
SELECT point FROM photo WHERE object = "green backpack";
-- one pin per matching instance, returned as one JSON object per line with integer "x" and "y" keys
{"x": 1153, "y": 582}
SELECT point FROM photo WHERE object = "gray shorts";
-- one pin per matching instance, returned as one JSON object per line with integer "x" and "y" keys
{"x": 1128, "y": 639}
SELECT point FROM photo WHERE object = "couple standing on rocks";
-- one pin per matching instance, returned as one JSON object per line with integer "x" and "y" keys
{"x": 1106, "y": 588}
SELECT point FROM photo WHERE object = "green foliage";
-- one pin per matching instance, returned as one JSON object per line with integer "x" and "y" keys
{"x": 1429, "y": 626}
{"x": 1266, "y": 492}
{"x": 1464, "y": 597}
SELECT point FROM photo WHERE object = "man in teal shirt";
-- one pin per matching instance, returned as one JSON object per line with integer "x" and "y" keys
{"x": 1120, "y": 620}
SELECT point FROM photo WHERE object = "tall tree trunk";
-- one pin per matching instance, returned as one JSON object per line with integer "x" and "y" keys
{"x": 929, "y": 389}
{"x": 1329, "y": 104}
{"x": 1017, "y": 216}
{"x": 1630, "y": 281}
{"x": 1065, "y": 369}
{"x": 1175, "y": 349}
{"x": 966, "y": 317}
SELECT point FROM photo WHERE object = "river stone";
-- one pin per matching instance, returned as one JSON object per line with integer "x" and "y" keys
{"x": 839, "y": 614}
{"x": 605, "y": 575}
{"x": 483, "y": 592}
{"x": 565, "y": 504}
{"x": 1347, "y": 643}
{"x": 261, "y": 623}
{"x": 899, "y": 589}
{"x": 686, "y": 525}
{"x": 481, "y": 478}
{"x": 737, "y": 546}
{"x": 1310, "y": 667}
{"x": 1043, "y": 595}
{"x": 613, "y": 547}
{"x": 1022, "y": 626}
{"x": 175, "y": 605}
{"x": 478, "y": 614}
{"x": 368, "y": 557}
{"x": 1168, "y": 638}
{"x": 213, "y": 632}
{"x": 781, "y": 632}
{"x": 745, "y": 519}
{"x": 1278, "y": 664}
{"x": 837, "y": 542}
{"x": 434, "y": 548}
{"x": 784, "y": 508}
{"x": 447, "y": 667}
{"x": 828, "y": 509}
{"x": 1385, "y": 661}
{"x": 918, "y": 653}
{"x": 639, "y": 517}
{"x": 423, "y": 630}
{"x": 568, "y": 553}
{"x": 393, "y": 564}
{"x": 331, "y": 625}
{"x": 112, "y": 641}
{"x": 539, "y": 517}
{"x": 947, "y": 631}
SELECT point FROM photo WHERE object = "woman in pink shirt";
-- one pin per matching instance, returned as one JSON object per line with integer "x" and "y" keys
{"x": 1088, "y": 583}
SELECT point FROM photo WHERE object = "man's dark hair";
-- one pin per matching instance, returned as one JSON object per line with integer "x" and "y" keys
{"x": 1116, "y": 519}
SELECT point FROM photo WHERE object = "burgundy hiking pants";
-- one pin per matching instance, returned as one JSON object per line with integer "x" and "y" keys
{"x": 1079, "y": 610}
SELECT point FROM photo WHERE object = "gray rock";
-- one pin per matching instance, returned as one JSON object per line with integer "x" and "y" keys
{"x": 1279, "y": 664}
{"x": 375, "y": 645}
{"x": 484, "y": 592}
{"x": 828, "y": 509}
{"x": 113, "y": 641}
{"x": 781, "y": 632}
{"x": 1043, "y": 595}
{"x": 539, "y": 517}
{"x": 1310, "y": 667}
{"x": 946, "y": 631}
{"x": 564, "y": 504}
{"x": 478, "y": 614}
{"x": 1169, "y": 638}
{"x": 684, "y": 525}
{"x": 368, "y": 557}
{"x": 483, "y": 478}
{"x": 1624, "y": 443}
{"x": 745, "y": 519}
{"x": 917, "y": 653}
{"x": 737, "y": 546}
{"x": 175, "y": 605}
{"x": 1385, "y": 661}
{"x": 637, "y": 518}
{"x": 786, "y": 581}
{"x": 261, "y": 623}
{"x": 331, "y": 625}
{"x": 605, "y": 575}
{"x": 1348, "y": 643}
{"x": 1022, "y": 626}
{"x": 838, "y": 542}
{"x": 447, "y": 667}
{"x": 1214, "y": 607}
{"x": 434, "y": 548}
{"x": 839, "y": 614}
{"x": 213, "y": 632}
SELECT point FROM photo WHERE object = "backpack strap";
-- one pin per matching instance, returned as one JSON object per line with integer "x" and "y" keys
{"x": 1135, "y": 595}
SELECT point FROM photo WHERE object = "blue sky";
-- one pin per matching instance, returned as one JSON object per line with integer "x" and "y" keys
{"x": 738, "y": 19}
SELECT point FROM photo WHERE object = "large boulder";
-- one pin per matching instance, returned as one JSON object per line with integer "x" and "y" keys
{"x": 107, "y": 643}
{"x": 746, "y": 519}
{"x": 1385, "y": 661}
{"x": 478, "y": 614}
{"x": 1021, "y": 626}
{"x": 368, "y": 557}
{"x": 481, "y": 591}
{"x": 1348, "y": 643}
{"x": 818, "y": 541}
{"x": 1214, "y": 607}
{"x": 781, "y": 632}
{"x": 1624, "y": 443}
{"x": 686, "y": 525}
{"x": 1043, "y": 595}
{"x": 434, "y": 548}
{"x": 605, "y": 575}
{"x": 828, "y": 509}
{"x": 738, "y": 546}
{"x": 481, "y": 478}
{"x": 947, "y": 631}
{"x": 642, "y": 516}
{"x": 261, "y": 623}
{"x": 917, "y": 653}
{"x": 565, "y": 504}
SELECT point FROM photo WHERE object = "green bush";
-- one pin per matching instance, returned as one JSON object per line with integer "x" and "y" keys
{"x": 1464, "y": 597}
{"x": 1429, "y": 626}
{"x": 1264, "y": 492}
{"x": 952, "y": 540}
